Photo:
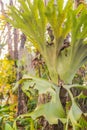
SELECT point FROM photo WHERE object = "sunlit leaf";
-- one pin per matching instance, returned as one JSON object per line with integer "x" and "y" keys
{"x": 54, "y": 106}
{"x": 74, "y": 114}
{"x": 8, "y": 127}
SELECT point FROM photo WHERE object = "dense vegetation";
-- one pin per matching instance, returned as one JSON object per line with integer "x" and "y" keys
{"x": 43, "y": 79}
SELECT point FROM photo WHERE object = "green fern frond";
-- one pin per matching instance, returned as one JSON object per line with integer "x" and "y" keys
{"x": 60, "y": 5}
{"x": 34, "y": 17}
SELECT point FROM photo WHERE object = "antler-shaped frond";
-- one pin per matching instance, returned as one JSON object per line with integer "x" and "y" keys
{"x": 30, "y": 18}
{"x": 33, "y": 18}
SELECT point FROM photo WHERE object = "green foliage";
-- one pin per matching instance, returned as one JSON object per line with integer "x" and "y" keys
{"x": 26, "y": 123}
{"x": 53, "y": 110}
{"x": 33, "y": 20}
{"x": 7, "y": 105}
{"x": 8, "y": 127}
{"x": 7, "y": 113}
{"x": 7, "y": 78}
{"x": 83, "y": 122}
{"x": 31, "y": 17}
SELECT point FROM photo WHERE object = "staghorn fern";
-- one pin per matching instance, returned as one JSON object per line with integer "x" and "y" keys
{"x": 33, "y": 20}
{"x": 62, "y": 61}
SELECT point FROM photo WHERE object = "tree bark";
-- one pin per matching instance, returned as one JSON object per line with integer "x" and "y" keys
{"x": 16, "y": 42}
{"x": 22, "y": 99}
{"x": 22, "y": 107}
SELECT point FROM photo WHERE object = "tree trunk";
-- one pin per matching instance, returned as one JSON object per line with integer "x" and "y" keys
{"x": 22, "y": 99}
{"x": 22, "y": 108}
{"x": 9, "y": 41}
{"x": 16, "y": 42}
